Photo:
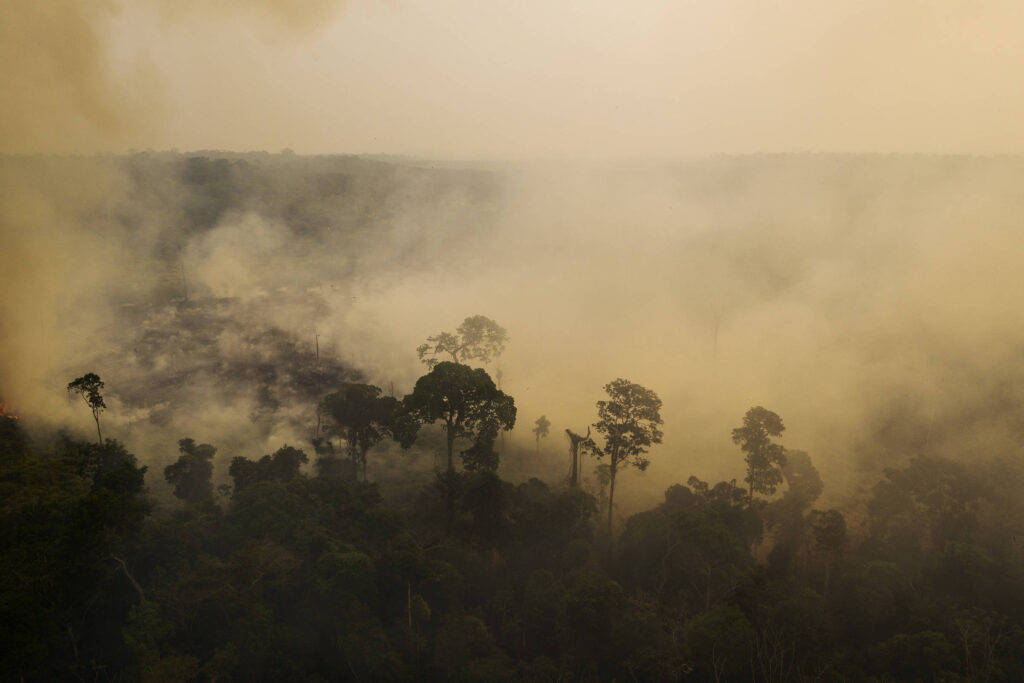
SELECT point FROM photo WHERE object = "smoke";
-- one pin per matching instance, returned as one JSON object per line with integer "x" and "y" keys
{"x": 75, "y": 238}
{"x": 74, "y": 88}
{"x": 870, "y": 301}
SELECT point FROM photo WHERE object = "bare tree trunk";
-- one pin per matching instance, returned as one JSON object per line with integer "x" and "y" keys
{"x": 96, "y": 417}
{"x": 611, "y": 499}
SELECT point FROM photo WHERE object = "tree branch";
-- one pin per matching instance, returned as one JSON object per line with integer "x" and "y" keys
{"x": 142, "y": 595}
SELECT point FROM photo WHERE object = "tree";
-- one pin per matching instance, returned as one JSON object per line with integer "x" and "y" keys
{"x": 467, "y": 404}
{"x": 829, "y": 529}
{"x": 88, "y": 386}
{"x": 629, "y": 423}
{"x": 541, "y": 430}
{"x": 282, "y": 467}
{"x": 362, "y": 417}
{"x": 190, "y": 475}
{"x": 764, "y": 459}
{"x": 785, "y": 516}
{"x": 477, "y": 338}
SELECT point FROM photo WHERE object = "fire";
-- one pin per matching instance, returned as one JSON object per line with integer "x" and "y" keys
{"x": 4, "y": 413}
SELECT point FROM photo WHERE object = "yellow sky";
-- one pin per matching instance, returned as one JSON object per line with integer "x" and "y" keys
{"x": 515, "y": 78}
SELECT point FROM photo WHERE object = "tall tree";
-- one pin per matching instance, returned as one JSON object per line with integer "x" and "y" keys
{"x": 362, "y": 417}
{"x": 765, "y": 459}
{"x": 467, "y": 404}
{"x": 541, "y": 430}
{"x": 89, "y": 386}
{"x": 478, "y": 338}
{"x": 630, "y": 423}
{"x": 190, "y": 475}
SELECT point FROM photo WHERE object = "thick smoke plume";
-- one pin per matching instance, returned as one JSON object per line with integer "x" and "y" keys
{"x": 70, "y": 91}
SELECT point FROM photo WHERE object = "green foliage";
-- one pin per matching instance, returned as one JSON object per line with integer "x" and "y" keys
{"x": 720, "y": 643}
{"x": 921, "y": 656}
{"x": 694, "y": 548}
{"x": 358, "y": 414}
{"x": 62, "y": 518}
{"x": 468, "y": 405}
{"x": 282, "y": 467}
{"x": 475, "y": 578}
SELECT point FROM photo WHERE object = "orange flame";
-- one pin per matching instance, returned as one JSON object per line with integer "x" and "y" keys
{"x": 4, "y": 413}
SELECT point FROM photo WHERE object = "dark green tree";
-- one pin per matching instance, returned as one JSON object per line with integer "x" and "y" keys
{"x": 630, "y": 422}
{"x": 89, "y": 386}
{"x": 282, "y": 467}
{"x": 467, "y": 404}
{"x": 478, "y": 338}
{"x": 190, "y": 475}
{"x": 66, "y": 516}
{"x": 362, "y": 417}
{"x": 764, "y": 458}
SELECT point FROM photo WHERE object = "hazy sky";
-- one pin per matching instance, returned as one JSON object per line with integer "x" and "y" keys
{"x": 514, "y": 78}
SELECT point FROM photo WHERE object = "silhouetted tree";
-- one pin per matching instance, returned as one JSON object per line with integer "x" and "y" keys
{"x": 88, "y": 386}
{"x": 190, "y": 475}
{"x": 362, "y": 417}
{"x": 477, "y": 338}
{"x": 467, "y": 404}
{"x": 282, "y": 466}
{"x": 764, "y": 458}
{"x": 630, "y": 423}
{"x": 541, "y": 430}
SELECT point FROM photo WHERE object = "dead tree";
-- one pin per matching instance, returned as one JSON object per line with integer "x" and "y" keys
{"x": 574, "y": 453}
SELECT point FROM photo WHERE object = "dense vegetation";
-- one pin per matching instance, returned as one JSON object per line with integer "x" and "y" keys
{"x": 295, "y": 575}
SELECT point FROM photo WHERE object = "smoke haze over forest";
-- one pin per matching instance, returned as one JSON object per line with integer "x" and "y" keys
{"x": 230, "y": 210}
{"x": 863, "y": 297}
{"x": 868, "y": 300}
